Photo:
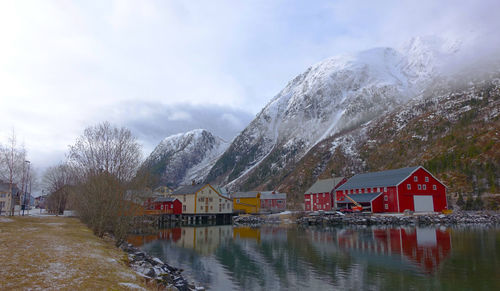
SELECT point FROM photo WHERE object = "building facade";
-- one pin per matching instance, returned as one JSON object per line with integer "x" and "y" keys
{"x": 272, "y": 201}
{"x": 320, "y": 196}
{"x": 246, "y": 202}
{"x": 412, "y": 188}
{"x": 202, "y": 199}
{"x": 167, "y": 205}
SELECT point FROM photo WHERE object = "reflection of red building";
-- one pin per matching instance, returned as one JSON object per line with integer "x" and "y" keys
{"x": 425, "y": 247}
{"x": 173, "y": 234}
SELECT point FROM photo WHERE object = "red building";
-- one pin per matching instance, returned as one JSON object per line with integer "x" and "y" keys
{"x": 167, "y": 205}
{"x": 412, "y": 188}
{"x": 272, "y": 201}
{"x": 320, "y": 195}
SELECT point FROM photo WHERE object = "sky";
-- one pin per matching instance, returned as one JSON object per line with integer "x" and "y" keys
{"x": 165, "y": 67}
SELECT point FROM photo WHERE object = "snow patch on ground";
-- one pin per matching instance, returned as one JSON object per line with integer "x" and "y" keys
{"x": 131, "y": 286}
{"x": 3, "y": 219}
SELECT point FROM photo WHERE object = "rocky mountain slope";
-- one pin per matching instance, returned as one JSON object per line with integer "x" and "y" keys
{"x": 452, "y": 129}
{"x": 334, "y": 96}
{"x": 184, "y": 157}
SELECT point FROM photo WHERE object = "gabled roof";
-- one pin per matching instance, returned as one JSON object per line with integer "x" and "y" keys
{"x": 270, "y": 195}
{"x": 378, "y": 179}
{"x": 361, "y": 198}
{"x": 189, "y": 189}
{"x": 165, "y": 199}
{"x": 324, "y": 185}
{"x": 251, "y": 194}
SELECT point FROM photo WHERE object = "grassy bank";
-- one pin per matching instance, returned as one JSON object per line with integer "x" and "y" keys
{"x": 59, "y": 253}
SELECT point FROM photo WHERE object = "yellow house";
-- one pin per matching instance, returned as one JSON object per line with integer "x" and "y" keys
{"x": 202, "y": 199}
{"x": 246, "y": 202}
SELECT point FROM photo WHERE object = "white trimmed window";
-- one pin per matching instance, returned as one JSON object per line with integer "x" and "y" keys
{"x": 386, "y": 206}
{"x": 408, "y": 186}
{"x": 415, "y": 178}
{"x": 424, "y": 187}
{"x": 426, "y": 179}
{"x": 386, "y": 198}
{"x": 419, "y": 187}
{"x": 434, "y": 187}
{"x": 385, "y": 189}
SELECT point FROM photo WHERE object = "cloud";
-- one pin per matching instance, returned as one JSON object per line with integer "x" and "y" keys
{"x": 155, "y": 121}
{"x": 164, "y": 67}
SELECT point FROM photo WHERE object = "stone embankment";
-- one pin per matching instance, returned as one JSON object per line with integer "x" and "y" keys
{"x": 254, "y": 220}
{"x": 429, "y": 219}
{"x": 153, "y": 268}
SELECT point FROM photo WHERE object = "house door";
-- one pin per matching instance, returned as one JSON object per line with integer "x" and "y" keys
{"x": 423, "y": 203}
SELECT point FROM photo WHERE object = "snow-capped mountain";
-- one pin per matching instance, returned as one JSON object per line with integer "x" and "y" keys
{"x": 331, "y": 97}
{"x": 184, "y": 157}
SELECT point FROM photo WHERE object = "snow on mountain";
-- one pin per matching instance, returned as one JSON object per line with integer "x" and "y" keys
{"x": 184, "y": 157}
{"x": 333, "y": 96}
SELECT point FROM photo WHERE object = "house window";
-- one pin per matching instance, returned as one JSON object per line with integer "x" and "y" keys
{"x": 419, "y": 187}
{"x": 424, "y": 187}
{"x": 434, "y": 187}
{"x": 162, "y": 207}
{"x": 237, "y": 200}
{"x": 211, "y": 199}
{"x": 426, "y": 179}
{"x": 211, "y": 207}
{"x": 386, "y": 206}
{"x": 408, "y": 186}
{"x": 415, "y": 178}
{"x": 184, "y": 207}
{"x": 385, "y": 189}
{"x": 323, "y": 195}
{"x": 386, "y": 198}
{"x": 171, "y": 206}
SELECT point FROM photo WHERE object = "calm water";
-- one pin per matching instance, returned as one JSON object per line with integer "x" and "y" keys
{"x": 354, "y": 258}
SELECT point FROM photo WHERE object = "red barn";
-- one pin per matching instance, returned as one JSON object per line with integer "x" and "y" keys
{"x": 272, "y": 201}
{"x": 320, "y": 195}
{"x": 167, "y": 205}
{"x": 412, "y": 188}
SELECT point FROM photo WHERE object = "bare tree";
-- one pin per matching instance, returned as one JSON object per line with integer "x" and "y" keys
{"x": 105, "y": 160}
{"x": 57, "y": 181}
{"x": 12, "y": 162}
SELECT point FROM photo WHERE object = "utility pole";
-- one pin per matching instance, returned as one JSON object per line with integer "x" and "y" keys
{"x": 25, "y": 185}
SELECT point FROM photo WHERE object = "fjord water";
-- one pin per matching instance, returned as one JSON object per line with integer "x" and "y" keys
{"x": 349, "y": 258}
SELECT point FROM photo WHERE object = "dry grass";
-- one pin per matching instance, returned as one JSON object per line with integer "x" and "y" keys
{"x": 56, "y": 253}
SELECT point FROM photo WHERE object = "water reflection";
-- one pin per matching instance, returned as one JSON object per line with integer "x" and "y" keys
{"x": 228, "y": 258}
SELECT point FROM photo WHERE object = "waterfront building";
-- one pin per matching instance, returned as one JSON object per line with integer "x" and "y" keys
{"x": 321, "y": 195}
{"x": 411, "y": 188}
{"x": 272, "y": 201}
{"x": 202, "y": 199}
{"x": 166, "y": 205}
{"x": 246, "y": 202}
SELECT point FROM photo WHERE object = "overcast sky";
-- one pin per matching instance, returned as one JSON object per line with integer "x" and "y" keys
{"x": 164, "y": 67}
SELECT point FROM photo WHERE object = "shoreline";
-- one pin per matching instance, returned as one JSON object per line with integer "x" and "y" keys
{"x": 152, "y": 268}
{"x": 335, "y": 219}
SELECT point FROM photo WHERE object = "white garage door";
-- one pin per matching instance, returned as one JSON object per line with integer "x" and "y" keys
{"x": 423, "y": 203}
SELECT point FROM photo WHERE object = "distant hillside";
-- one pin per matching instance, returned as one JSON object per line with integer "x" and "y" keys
{"x": 452, "y": 129}
{"x": 180, "y": 158}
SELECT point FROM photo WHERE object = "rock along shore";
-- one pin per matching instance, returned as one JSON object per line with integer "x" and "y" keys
{"x": 153, "y": 268}
{"x": 483, "y": 218}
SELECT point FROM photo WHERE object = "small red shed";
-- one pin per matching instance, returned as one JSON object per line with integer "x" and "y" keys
{"x": 412, "y": 188}
{"x": 167, "y": 205}
{"x": 320, "y": 196}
